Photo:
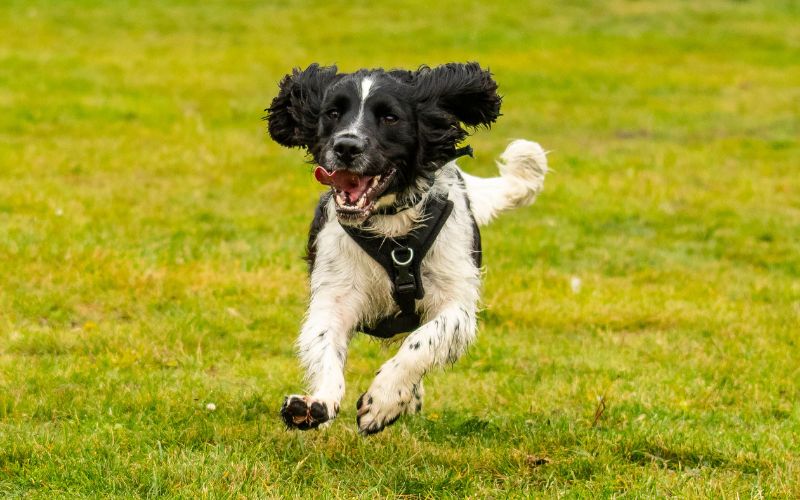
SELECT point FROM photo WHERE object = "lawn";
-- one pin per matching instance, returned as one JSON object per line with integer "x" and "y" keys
{"x": 640, "y": 331}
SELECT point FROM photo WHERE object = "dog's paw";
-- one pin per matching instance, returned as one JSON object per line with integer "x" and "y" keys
{"x": 379, "y": 408}
{"x": 305, "y": 412}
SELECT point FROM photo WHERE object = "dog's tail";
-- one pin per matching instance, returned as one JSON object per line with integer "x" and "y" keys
{"x": 523, "y": 166}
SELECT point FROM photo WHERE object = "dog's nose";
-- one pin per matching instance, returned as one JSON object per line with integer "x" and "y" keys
{"x": 348, "y": 147}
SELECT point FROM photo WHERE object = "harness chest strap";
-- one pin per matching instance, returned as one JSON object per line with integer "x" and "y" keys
{"x": 401, "y": 258}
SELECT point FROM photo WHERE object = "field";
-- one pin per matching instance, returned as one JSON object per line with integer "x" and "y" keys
{"x": 640, "y": 331}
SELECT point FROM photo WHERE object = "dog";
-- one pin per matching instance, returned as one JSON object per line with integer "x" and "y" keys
{"x": 394, "y": 246}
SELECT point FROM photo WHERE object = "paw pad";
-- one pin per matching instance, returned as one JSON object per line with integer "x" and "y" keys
{"x": 302, "y": 412}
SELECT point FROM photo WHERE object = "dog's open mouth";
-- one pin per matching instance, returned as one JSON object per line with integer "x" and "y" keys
{"x": 354, "y": 194}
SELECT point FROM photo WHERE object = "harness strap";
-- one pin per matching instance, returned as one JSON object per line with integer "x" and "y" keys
{"x": 401, "y": 258}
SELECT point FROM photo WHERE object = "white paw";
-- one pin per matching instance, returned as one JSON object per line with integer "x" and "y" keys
{"x": 383, "y": 404}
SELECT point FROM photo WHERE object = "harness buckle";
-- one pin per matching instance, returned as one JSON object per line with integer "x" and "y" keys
{"x": 404, "y": 281}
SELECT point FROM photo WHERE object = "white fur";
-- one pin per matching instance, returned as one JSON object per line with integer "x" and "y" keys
{"x": 348, "y": 287}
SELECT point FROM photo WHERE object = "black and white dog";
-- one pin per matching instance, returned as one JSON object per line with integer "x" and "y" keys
{"x": 394, "y": 247}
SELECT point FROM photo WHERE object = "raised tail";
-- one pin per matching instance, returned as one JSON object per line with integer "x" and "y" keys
{"x": 522, "y": 166}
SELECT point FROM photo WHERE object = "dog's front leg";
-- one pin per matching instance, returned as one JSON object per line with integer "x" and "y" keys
{"x": 397, "y": 388}
{"x": 322, "y": 346}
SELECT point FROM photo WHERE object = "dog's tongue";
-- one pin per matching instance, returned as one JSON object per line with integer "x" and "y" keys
{"x": 352, "y": 185}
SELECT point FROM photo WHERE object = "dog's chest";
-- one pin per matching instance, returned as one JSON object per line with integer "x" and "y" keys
{"x": 448, "y": 272}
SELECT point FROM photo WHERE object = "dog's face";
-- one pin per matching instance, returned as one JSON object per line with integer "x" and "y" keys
{"x": 379, "y": 136}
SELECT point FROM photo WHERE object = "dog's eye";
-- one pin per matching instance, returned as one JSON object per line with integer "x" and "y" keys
{"x": 333, "y": 114}
{"x": 389, "y": 119}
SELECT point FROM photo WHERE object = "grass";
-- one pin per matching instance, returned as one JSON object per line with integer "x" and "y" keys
{"x": 150, "y": 236}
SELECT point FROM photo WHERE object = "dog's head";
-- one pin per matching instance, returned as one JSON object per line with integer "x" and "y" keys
{"x": 378, "y": 137}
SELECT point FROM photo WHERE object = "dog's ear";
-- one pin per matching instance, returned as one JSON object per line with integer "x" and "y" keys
{"x": 465, "y": 91}
{"x": 292, "y": 116}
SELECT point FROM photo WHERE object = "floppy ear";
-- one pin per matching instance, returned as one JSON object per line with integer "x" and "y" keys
{"x": 292, "y": 116}
{"x": 465, "y": 91}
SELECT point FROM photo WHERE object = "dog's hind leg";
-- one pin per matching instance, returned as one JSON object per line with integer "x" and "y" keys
{"x": 522, "y": 166}
{"x": 397, "y": 388}
{"x": 322, "y": 346}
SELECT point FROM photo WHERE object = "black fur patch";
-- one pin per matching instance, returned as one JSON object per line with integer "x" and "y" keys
{"x": 320, "y": 217}
{"x": 292, "y": 116}
{"x": 477, "y": 250}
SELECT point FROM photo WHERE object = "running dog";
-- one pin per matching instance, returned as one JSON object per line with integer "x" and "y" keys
{"x": 394, "y": 247}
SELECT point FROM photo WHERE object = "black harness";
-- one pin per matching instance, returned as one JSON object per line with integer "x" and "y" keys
{"x": 401, "y": 258}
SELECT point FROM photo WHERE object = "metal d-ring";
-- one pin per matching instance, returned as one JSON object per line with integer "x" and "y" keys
{"x": 407, "y": 261}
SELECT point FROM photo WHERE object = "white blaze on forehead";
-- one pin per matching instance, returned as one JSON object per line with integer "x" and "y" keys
{"x": 364, "y": 90}
{"x": 366, "y": 85}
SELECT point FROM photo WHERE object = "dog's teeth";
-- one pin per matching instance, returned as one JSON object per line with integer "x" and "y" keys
{"x": 361, "y": 202}
{"x": 375, "y": 180}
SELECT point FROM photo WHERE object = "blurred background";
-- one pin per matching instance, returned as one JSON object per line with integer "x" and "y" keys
{"x": 151, "y": 235}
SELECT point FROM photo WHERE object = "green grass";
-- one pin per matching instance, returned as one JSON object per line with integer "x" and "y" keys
{"x": 150, "y": 242}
